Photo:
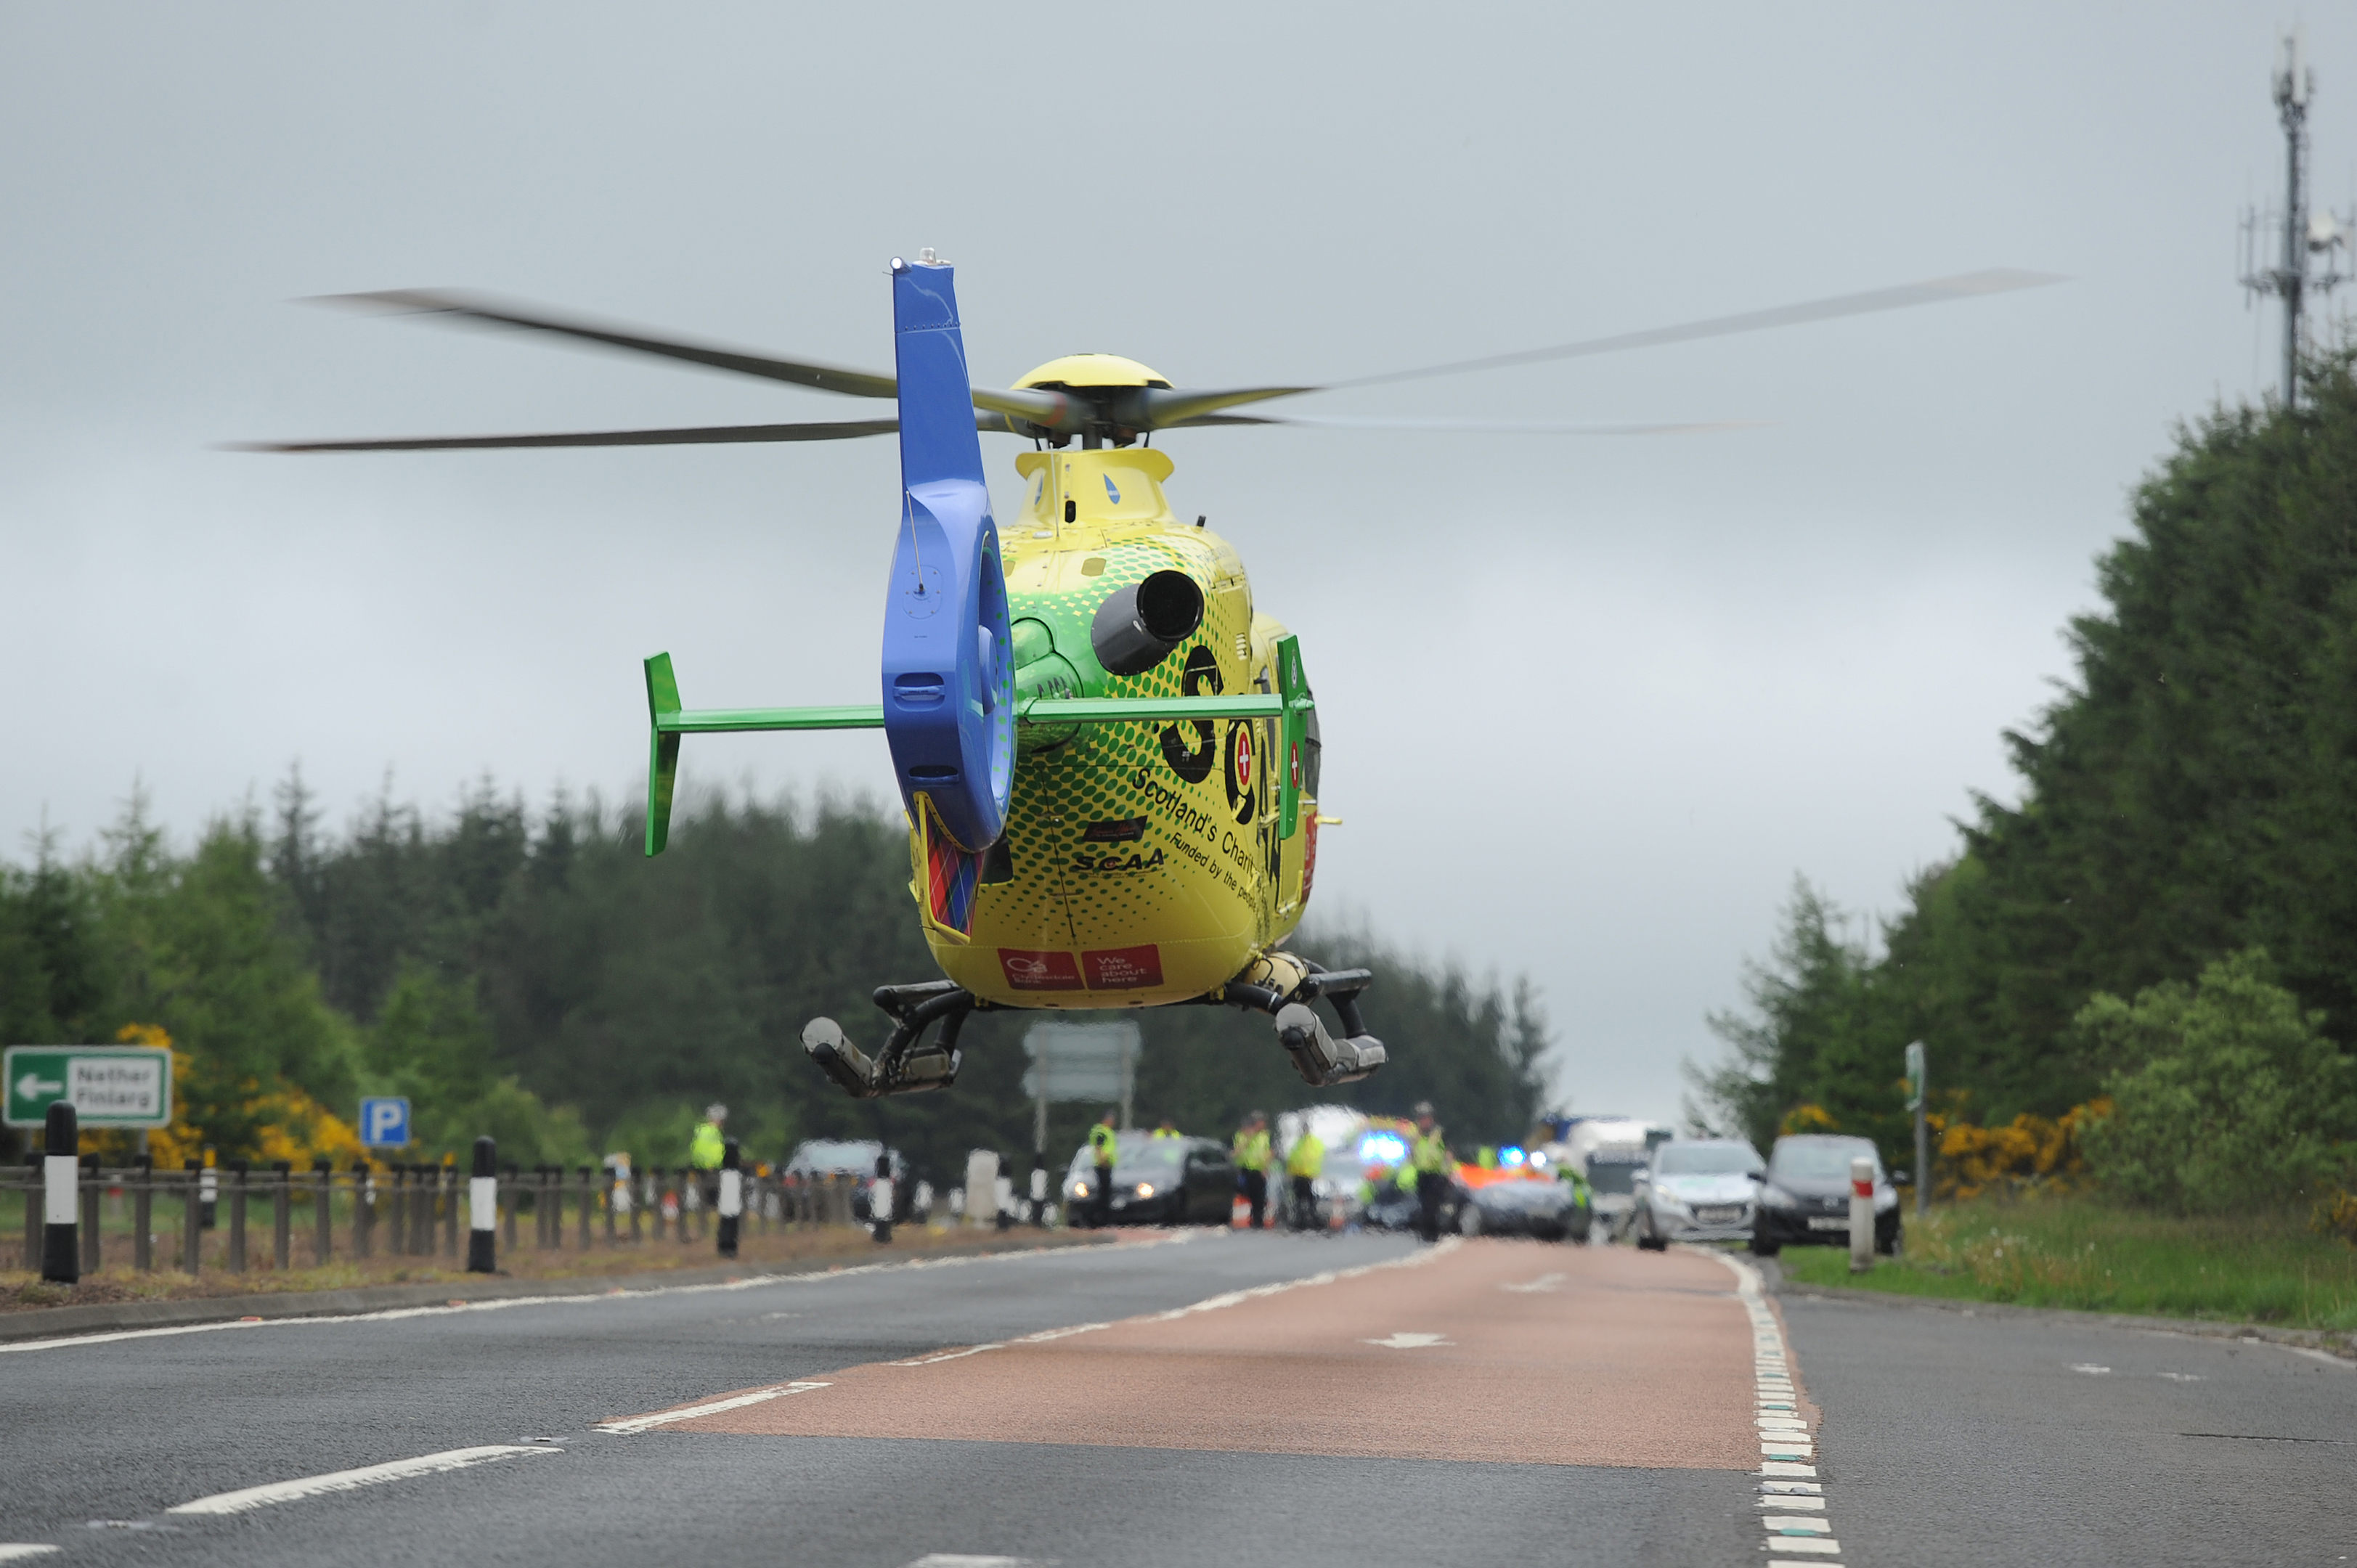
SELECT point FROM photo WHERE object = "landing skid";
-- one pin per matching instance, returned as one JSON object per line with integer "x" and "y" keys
{"x": 908, "y": 1064}
{"x": 1276, "y": 983}
{"x": 1282, "y": 985}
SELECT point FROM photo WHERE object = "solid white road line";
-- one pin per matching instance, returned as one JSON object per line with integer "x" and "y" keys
{"x": 735, "y": 1402}
{"x": 250, "y": 1497}
{"x": 502, "y": 1304}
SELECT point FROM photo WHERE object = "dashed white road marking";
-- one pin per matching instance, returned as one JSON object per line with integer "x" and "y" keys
{"x": 17, "y": 1551}
{"x": 250, "y": 1497}
{"x": 1544, "y": 1284}
{"x": 961, "y": 1560}
{"x": 1400, "y": 1341}
{"x": 637, "y": 1424}
{"x": 2092, "y": 1369}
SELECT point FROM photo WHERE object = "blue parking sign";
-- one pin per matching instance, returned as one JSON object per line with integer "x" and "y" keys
{"x": 384, "y": 1123}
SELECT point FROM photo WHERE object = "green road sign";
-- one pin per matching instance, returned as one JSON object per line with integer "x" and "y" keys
{"x": 109, "y": 1085}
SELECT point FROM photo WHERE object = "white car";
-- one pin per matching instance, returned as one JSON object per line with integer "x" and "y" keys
{"x": 1697, "y": 1189}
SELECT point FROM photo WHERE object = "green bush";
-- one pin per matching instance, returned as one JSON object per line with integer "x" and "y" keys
{"x": 2225, "y": 1096}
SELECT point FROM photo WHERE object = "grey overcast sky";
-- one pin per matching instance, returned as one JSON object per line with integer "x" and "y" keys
{"x": 1590, "y": 703}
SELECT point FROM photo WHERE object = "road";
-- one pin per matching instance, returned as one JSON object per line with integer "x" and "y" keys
{"x": 1207, "y": 1398}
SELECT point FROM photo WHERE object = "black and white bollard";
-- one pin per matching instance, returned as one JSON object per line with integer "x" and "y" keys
{"x": 732, "y": 1196}
{"x": 483, "y": 1211}
{"x": 880, "y": 1198}
{"x": 1861, "y": 1215}
{"x": 61, "y": 1194}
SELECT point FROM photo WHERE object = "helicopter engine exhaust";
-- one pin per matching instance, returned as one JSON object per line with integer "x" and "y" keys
{"x": 1136, "y": 626}
{"x": 1323, "y": 1061}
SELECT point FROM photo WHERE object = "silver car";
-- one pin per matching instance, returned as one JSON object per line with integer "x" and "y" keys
{"x": 1697, "y": 1189}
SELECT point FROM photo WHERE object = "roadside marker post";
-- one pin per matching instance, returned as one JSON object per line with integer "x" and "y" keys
{"x": 483, "y": 1210}
{"x": 60, "y": 1186}
{"x": 363, "y": 1207}
{"x": 732, "y": 1195}
{"x": 1861, "y": 1215}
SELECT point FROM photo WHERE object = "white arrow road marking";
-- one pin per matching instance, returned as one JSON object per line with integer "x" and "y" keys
{"x": 252, "y": 1497}
{"x": 738, "y": 1402}
{"x": 1409, "y": 1341}
{"x": 1544, "y": 1282}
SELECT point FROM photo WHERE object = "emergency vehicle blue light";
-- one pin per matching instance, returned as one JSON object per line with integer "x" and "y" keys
{"x": 1382, "y": 1149}
{"x": 1510, "y": 1157}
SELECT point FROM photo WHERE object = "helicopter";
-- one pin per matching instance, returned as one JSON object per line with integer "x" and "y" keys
{"x": 1108, "y": 753}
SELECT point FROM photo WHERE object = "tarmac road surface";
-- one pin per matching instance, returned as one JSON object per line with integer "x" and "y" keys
{"x": 1195, "y": 1399}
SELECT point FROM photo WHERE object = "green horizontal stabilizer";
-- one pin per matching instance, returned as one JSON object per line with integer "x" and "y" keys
{"x": 1163, "y": 709}
{"x": 669, "y": 720}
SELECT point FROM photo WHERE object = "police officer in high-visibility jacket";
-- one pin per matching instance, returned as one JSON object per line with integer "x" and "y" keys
{"x": 1427, "y": 1157}
{"x": 1103, "y": 1146}
{"x": 1169, "y": 1129}
{"x": 1302, "y": 1163}
{"x": 1251, "y": 1149}
{"x": 705, "y": 1149}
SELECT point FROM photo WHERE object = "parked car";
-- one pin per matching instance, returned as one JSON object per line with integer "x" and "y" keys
{"x": 816, "y": 1159}
{"x": 1516, "y": 1204}
{"x": 1156, "y": 1181}
{"x": 1612, "y": 1171}
{"x": 1805, "y": 1195}
{"x": 1697, "y": 1189}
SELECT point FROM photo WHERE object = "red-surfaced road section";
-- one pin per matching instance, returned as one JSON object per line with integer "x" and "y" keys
{"x": 1493, "y": 1351}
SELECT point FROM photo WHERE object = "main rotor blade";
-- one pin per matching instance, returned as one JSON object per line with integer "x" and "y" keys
{"x": 1475, "y": 426}
{"x": 694, "y": 436}
{"x": 1965, "y": 286}
{"x": 482, "y": 308}
{"x": 1160, "y": 408}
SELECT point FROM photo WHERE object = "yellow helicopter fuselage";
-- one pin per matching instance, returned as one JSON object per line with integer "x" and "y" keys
{"x": 1143, "y": 863}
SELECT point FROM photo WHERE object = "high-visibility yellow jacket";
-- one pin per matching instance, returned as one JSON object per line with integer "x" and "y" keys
{"x": 1168, "y": 1133}
{"x": 1101, "y": 1143}
{"x": 1251, "y": 1151}
{"x": 1429, "y": 1153}
{"x": 1307, "y": 1156}
{"x": 707, "y": 1148}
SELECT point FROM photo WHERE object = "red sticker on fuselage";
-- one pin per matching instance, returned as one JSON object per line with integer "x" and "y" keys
{"x": 1124, "y": 968}
{"x": 1027, "y": 971}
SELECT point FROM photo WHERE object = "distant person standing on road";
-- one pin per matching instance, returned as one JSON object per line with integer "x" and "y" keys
{"x": 1429, "y": 1157}
{"x": 1103, "y": 1146}
{"x": 705, "y": 1150}
{"x": 1302, "y": 1163}
{"x": 1250, "y": 1148}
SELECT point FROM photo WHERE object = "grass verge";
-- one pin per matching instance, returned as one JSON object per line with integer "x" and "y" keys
{"x": 2080, "y": 1253}
{"x": 22, "y": 1291}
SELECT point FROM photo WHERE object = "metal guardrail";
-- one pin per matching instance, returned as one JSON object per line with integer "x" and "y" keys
{"x": 377, "y": 1208}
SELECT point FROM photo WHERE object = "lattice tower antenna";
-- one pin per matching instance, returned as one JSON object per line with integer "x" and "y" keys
{"x": 2314, "y": 251}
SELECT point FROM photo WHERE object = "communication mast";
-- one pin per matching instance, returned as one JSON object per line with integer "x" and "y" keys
{"x": 2303, "y": 239}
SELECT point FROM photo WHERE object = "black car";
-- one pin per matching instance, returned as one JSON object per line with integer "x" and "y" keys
{"x": 1156, "y": 1181}
{"x": 1805, "y": 1196}
{"x": 1549, "y": 1211}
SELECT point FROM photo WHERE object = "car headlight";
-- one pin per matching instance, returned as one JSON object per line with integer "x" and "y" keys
{"x": 1080, "y": 1189}
{"x": 1145, "y": 1190}
{"x": 1777, "y": 1197}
